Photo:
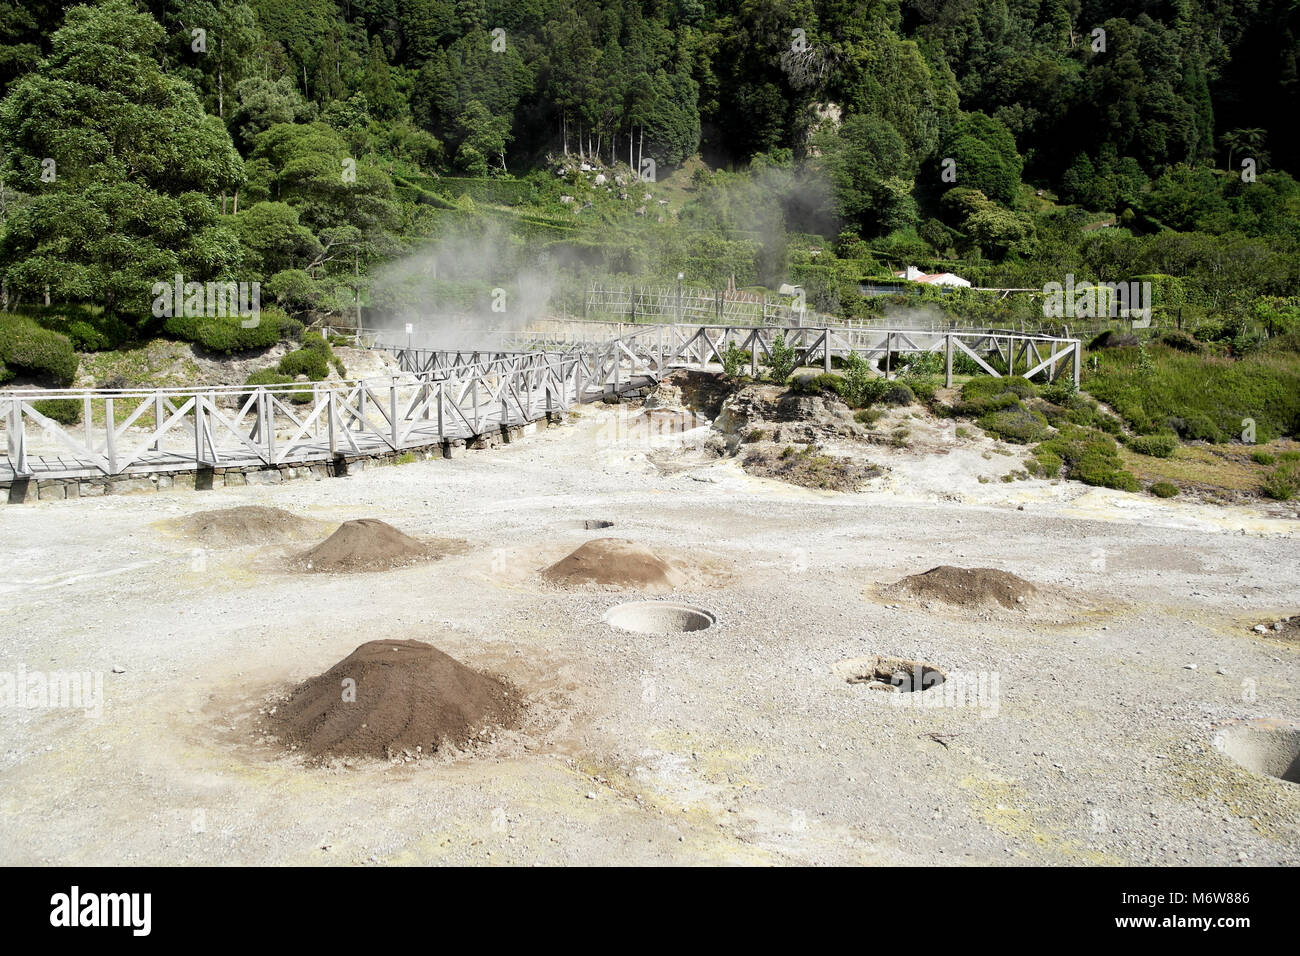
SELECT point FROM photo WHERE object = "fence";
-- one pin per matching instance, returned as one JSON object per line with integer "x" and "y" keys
{"x": 441, "y": 395}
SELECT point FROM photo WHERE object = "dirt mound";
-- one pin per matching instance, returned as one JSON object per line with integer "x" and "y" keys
{"x": 249, "y": 524}
{"x": 616, "y": 563}
{"x": 368, "y": 544}
{"x": 810, "y": 468}
{"x": 1287, "y": 629}
{"x": 969, "y": 587}
{"x": 392, "y": 699}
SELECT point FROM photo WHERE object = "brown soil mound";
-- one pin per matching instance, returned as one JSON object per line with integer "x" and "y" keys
{"x": 1287, "y": 629}
{"x": 250, "y": 524}
{"x": 615, "y": 562}
{"x": 969, "y": 587}
{"x": 368, "y": 544}
{"x": 409, "y": 698}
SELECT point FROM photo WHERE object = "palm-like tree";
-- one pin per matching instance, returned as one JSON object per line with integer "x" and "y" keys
{"x": 1250, "y": 141}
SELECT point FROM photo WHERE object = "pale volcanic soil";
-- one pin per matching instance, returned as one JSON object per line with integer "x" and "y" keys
{"x": 740, "y": 744}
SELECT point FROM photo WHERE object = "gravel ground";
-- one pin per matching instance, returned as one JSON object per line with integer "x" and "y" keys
{"x": 742, "y": 743}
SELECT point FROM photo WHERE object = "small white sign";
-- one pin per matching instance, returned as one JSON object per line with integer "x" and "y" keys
{"x": 409, "y": 328}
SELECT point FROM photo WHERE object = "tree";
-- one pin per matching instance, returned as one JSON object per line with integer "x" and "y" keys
{"x": 377, "y": 85}
{"x": 131, "y": 166}
{"x": 871, "y": 171}
{"x": 986, "y": 159}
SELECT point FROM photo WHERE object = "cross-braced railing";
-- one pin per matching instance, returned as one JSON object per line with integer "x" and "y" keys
{"x": 438, "y": 396}
{"x": 123, "y": 431}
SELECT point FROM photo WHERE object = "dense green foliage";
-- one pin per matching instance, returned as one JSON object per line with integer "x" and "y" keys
{"x": 320, "y": 148}
{"x": 28, "y": 350}
{"x": 1200, "y": 397}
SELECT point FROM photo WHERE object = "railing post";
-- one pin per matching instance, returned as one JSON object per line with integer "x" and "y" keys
{"x": 329, "y": 414}
{"x": 110, "y": 436}
{"x": 1078, "y": 361}
{"x": 157, "y": 420}
{"x": 392, "y": 411}
{"x": 17, "y": 436}
{"x": 268, "y": 422}
{"x": 826, "y": 348}
{"x": 947, "y": 348}
{"x": 198, "y": 429}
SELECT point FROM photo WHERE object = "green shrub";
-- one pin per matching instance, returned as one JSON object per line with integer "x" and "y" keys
{"x": 987, "y": 393}
{"x": 1263, "y": 458}
{"x": 898, "y": 393}
{"x": 861, "y": 384}
{"x": 1201, "y": 397}
{"x": 816, "y": 384}
{"x": 311, "y": 362}
{"x": 923, "y": 389}
{"x": 1283, "y": 483}
{"x": 1045, "y": 463}
{"x": 225, "y": 334}
{"x": 1154, "y": 446}
{"x": 734, "y": 360}
{"x": 920, "y": 365}
{"x": 868, "y": 416}
{"x": 1163, "y": 489}
{"x": 1088, "y": 455}
{"x": 299, "y": 394}
{"x": 1017, "y": 424}
{"x": 1183, "y": 342}
{"x": 1289, "y": 456}
{"x": 989, "y": 385}
{"x": 781, "y": 361}
{"x": 27, "y": 348}
{"x": 65, "y": 411}
{"x": 1060, "y": 392}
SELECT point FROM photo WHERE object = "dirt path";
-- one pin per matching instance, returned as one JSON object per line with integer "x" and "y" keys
{"x": 1091, "y": 742}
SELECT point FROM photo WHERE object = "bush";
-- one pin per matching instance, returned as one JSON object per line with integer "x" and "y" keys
{"x": 225, "y": 334}
{"x": 1163, "y": 489}
{"x": 781, "y": 361}
{"x": 1060, "y": 392}
{"x": 987, "y": 393}
{"x": 861, "y": 385}
{"x": 1202, "y": 398}
{"x": 1263, "y": 458}
{"x": 1283, "y": 483}
{"x": 734, "y": 360}
{"x": 27, "y": 348}
{"x": 816, "y": 384}
{"x": 270, "y": 378}
{"x": 1181, "y": 341}
{"x": 1088, "y": 455}
{"x": 65, "y": 411}
{"x": 1154, "y": 446}
{"x": 924, "y": 390}
{"x": 898, "y": 394}
{"x": 1017, "y": 424}
{"x": 1196, "y": 427}
{"x": 305, "y": 361}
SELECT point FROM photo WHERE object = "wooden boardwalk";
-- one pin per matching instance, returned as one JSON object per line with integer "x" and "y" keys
{"x": 440, "y": 395}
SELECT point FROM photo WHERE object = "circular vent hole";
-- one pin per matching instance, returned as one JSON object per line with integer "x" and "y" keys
{"x": 892, "y": 674}
{"x": 659, "y": 617}
{"x": 1268, "y": 747}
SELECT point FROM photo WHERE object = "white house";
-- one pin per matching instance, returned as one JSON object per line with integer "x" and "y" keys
{"x": 913, "y": 274}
